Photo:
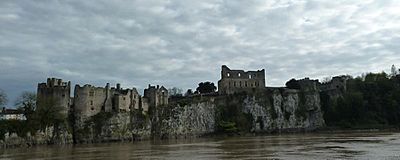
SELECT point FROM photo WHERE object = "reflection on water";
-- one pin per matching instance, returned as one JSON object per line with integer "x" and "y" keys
{"x": 293, "y": 146}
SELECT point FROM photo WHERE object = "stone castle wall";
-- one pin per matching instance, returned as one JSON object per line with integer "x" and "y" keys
{"x": 54, "y": 92}
{"x": 90, "y": 100}
{"x": 235, "y": 81}
{"x": 156, "y": 96}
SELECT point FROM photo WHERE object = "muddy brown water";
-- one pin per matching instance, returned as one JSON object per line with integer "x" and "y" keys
{"x": 369, "y": 145}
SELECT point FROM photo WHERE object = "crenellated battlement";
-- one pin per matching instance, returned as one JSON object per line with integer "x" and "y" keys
{"x": 55, "y": 82}
{"x": 54, "y": 91}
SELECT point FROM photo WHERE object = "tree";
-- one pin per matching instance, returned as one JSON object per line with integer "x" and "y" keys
{"x": 293, "y": 84}
{"x": 48, "y": 113}
{"x": 394, "y": 71}
{"x": 189, "y": 92}
{"x": 27, "y": 103}
{"x": 326, "y": 79}
{"x": 206, "y": 87}
{"x": 174, "y": 91}
{"x": 3, "y": 98}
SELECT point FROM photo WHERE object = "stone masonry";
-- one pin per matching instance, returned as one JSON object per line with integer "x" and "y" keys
{"x": 56, "y": 93}
{"x": 234, "y": 81}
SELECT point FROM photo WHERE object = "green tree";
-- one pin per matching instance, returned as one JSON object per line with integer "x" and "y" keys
{"x": 293, "y": 84}
{"x": 372, "y": 100}
{"x": 189, "y": 92}
{"x": 206, "y": 87}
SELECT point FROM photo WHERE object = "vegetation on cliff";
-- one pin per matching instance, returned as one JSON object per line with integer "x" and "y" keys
{"x": 230, "y": 117}
{"x": 372, "y": 100}
{"x": 37, "y": 118}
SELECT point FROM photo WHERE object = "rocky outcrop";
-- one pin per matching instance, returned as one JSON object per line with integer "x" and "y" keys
{"x": 180, "y": 120}
{"x": 61, "y": 135}
{"x": 287, "y": 110}
{"x": 273, "y": 110}
{"x": 112, "y": 126}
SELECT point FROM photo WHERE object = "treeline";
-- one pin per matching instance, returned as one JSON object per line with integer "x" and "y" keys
{"x": 370, "y": 101}
{"x": 37, "y": 118}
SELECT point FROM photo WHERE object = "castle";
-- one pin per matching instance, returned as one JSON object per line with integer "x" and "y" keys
{"x": 89, "y": 100}
{"x": 234, "y": 81}
{"x": 54, "y": 92}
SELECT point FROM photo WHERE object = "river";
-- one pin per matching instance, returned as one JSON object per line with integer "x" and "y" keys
{"x": 368, "y": 145}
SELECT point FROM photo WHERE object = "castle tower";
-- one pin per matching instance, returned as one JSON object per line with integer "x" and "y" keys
{"x": 54, "y": 93}
{"x": 234, "y": 81}
{"x": 156, "y": 96}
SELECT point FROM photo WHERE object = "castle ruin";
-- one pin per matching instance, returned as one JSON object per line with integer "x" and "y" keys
{"x": 156, "y": 96}
{"x": 54, "y": 92}
{"x": 235, "y": 81}
{"x": 338, "y": 83}
{"x": 89, "y": 100}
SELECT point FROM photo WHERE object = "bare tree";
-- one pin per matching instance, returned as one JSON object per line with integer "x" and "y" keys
{"x": 174, "y": 91}
{"x": 27, "y": 103}
{"x": 3, "y": 98}
{"x": 326, "y": 79}
{"x": 394, "y": 71}
{"x": 48, "y": 113}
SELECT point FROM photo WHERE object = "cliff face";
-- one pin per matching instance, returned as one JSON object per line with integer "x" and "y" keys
{"x": 276, "y": 110}
{"x": 287, "y": 110}
{"x": 181, "y": 120}
{"x": 107, "y": 126}
{"x": 50, "y": 135}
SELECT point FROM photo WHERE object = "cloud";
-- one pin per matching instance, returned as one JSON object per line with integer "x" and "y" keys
{"x": 180, "y": 43}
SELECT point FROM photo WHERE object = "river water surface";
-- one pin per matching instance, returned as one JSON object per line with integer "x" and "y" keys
{"x": 370, "y": 145}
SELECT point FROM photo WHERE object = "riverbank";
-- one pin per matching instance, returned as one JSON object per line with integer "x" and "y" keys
{"x": 13, "y": 141}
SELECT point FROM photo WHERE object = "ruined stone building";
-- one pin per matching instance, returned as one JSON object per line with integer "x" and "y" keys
{"x": 156, "y": 96}
{"x": 234, "y": 81}
{"x": 54, "y": 93}
{"x": 89, "y": 100}
{"x": 338, "y": 83}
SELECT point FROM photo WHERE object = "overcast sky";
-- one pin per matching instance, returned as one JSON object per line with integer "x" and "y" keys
{"x": 183, "y": 42}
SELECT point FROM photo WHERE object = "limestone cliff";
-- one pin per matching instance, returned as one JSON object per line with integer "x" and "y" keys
{"x": 289, "y": 110}
{"x": 109, "y": 126}
{"x": 184, "y": 120}
{"x": 50, "y": 135}
{"x": 275, "y": 110}
{"x": 271, "y": 110}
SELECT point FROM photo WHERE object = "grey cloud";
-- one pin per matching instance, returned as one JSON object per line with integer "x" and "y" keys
{"x": 180, "y": 43}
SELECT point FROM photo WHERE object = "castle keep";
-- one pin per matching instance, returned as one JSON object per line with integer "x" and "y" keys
{"x": 54, "y": 92}
{"x": 234, "y": 81}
